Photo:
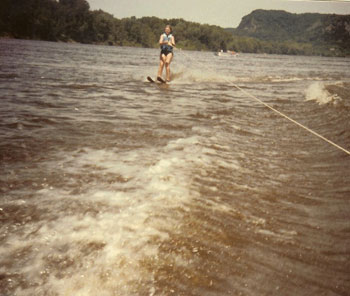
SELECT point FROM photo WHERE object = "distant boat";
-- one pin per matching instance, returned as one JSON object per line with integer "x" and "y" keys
{"x": 229, "y": 53}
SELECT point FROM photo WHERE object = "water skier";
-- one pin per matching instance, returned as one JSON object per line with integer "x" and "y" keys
{"x": 166, "y": 42}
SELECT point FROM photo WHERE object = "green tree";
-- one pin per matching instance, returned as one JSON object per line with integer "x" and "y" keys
{"x": 75, "y": 14}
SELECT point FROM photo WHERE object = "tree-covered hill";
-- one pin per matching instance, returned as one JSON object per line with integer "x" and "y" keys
{"x": 320, "y": 30}
{"x": 260, "y": 32}
{"x": 72, "y": 20}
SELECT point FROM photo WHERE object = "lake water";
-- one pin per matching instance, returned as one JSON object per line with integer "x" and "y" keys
{"x": 111, "y": 185}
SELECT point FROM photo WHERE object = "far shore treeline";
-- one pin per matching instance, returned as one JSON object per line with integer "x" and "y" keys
{"x": 275, "y": 32}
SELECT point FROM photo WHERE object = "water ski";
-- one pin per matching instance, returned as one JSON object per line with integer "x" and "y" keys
{"x": 160, "y": 79}
{"x": 150, "y": 79}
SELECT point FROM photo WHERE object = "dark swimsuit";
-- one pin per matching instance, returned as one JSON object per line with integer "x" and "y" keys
{"x": 166, "y": 49}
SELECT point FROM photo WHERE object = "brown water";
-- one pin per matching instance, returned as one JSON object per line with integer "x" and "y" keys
{"x": 111, "y": 185}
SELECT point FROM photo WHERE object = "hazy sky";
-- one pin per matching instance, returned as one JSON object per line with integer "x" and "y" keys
{"x": 224, "y": 13}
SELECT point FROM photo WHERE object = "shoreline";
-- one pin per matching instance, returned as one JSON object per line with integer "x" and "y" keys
{"x": 71, "y": 41}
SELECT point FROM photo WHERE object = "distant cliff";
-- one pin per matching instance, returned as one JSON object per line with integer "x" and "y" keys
{"x": 321, "y": 30}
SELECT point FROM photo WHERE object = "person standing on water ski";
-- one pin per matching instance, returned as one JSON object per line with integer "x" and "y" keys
{"x": 166, "y": 42}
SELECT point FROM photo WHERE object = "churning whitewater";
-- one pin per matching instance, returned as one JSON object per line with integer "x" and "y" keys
{"x": 114, "y": 186}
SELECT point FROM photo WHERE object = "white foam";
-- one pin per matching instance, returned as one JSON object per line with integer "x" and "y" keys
{"x": 182, "y": 75}
{"x": 317, "y": 92}
{"x": 98, "y": 242}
